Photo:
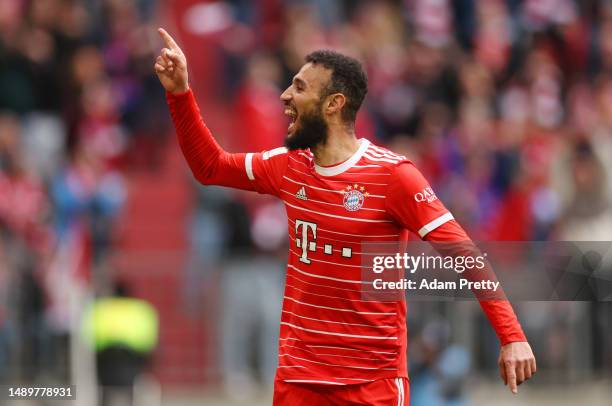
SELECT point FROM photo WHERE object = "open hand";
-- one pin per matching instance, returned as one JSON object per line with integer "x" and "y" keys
{"x": 171, "y": 65}
{"x": 516, "y": 364}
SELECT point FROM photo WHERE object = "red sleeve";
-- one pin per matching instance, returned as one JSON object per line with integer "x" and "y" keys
{"x": 210, "y": 164}
{"x": 266, "y": 170}
{"x": 499, "y": 312}
{"x": 412, "y": 202}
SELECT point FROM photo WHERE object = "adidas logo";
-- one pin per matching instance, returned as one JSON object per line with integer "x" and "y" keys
{"x": 301, "y": 194}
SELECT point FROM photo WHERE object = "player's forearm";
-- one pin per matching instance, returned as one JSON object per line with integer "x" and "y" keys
{"x": 499, "y": 311}
{"x": 210, "y": 164}
{"x": 196, "y": 141}
{"x": 504, "y": 321}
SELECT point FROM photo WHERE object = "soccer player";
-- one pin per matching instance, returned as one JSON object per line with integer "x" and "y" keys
{"x": 339, "y": 192}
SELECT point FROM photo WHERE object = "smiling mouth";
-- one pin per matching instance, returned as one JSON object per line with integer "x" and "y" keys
{"x": 292, "y": 114}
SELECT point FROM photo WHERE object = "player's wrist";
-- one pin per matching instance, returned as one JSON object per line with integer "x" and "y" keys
{"x": 180, "y": 90}
{"x": 177, "y": 94}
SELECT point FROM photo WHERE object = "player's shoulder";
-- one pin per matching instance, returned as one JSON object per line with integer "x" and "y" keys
{"x": 284, "y": 156}
{"x": 284, "y": 151}
{"x": 271, "y": 153}
{"x": 383, "y": 158}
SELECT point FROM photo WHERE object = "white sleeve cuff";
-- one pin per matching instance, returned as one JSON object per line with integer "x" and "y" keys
{"x": 432, "y": 225}
{"x": 248, "y": 165}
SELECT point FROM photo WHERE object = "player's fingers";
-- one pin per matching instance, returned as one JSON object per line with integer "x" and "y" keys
{"x": 159, "y": 68}
{"x": 520, "y": 372}
{"x": 168, "y": 39}
{"x": 166, "y": 55}
{"x": 172, "y": 57}
{"x": 166, "y": 63}
{"x": 533, "y": 365}
{"x": 527, "y": 369}
{"x": 511, "y": 375}
{"x": 502, "y": 372}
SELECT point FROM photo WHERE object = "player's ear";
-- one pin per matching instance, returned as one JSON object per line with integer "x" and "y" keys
{"x": 335, "y": 103}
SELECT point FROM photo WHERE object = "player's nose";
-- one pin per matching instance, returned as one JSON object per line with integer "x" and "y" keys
{"x": 286, "y": 95}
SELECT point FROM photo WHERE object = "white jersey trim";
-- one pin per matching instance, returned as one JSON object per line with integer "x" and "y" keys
{"x": 432, "y": 225}
{"x": 335, "y": 297}
{"x": 335, "y": 322}
{"x": 332, "y": 263}
{"x": 334, "y": 365}
{"x": 325, "y": 190}
{"x": 400, "y": 392}
{"x": 331, "y": 333}
{"x": 312, "y": 381}
{"x": 340, "y": 310}
{"x": 331, "y": 204}
{"x": 248, "y": 165}
{"x": 273, "y": 152}
{"x": 319, "y": 285}
{"x": 340, "y": 181}
{"x": 389, "y": 160}
{"x": 324, "y": 277}
{"x": 336, "y": 216}
{"x": 346, "y": 165}
{"x": 336, "y": 355}
{"x": 354, "y": 235}
{"x": 350, "y": 349}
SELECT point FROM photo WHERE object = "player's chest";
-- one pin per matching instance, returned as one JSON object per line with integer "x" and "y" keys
{"x": 347, "y": 204}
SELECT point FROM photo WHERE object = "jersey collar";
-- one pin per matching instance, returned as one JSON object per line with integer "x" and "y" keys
{"x": 346, "y": 165}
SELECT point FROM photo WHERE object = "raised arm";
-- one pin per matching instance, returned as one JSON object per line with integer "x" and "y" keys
{"x": 210, "y": 164}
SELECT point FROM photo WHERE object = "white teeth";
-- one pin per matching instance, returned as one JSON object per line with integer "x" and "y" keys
{"x": 292, "y": 114}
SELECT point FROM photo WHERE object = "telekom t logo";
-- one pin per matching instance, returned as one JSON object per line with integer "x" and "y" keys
{"x": 304, "y": 242}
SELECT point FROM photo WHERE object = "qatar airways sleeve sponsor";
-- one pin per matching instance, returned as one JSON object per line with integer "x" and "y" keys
{"x": 412, "y": 202}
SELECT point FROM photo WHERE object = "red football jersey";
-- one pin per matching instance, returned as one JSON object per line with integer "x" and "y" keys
{"x": 328, "y": 333}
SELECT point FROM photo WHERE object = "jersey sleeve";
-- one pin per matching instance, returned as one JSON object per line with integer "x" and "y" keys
{"x": 210, "y": 164}
{"x": 412, "y": 202}
{"x": 414, "y": 205}
{"x": 266, "y": 170}
{"x": 499, "y": 312}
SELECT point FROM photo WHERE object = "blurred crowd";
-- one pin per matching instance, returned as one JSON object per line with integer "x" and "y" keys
{"x": 505, "y": 105}
{"x": 78, "y": 97}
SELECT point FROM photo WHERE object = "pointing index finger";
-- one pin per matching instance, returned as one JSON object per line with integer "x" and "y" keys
{"x": 168, "y": 39}
{"x": 511, "y": 376}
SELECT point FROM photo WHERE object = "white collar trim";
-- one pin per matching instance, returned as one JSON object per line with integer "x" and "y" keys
{"x": 346, "y": 165}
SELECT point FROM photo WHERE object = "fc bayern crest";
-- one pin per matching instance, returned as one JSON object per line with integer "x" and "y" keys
{"x": 354, "y": 197}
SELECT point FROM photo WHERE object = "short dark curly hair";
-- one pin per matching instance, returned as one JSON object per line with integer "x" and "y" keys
{"x": 348, "y": 78}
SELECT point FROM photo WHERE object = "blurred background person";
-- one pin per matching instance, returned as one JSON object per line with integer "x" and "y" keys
{"x": 124, "y": 332}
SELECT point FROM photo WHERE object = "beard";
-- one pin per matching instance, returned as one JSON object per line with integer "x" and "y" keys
{"x": 312, "y": 130}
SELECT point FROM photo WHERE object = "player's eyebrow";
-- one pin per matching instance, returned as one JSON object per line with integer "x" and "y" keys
{"x": 298, "y": 81}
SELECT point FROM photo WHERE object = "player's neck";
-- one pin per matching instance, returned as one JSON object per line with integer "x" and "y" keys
{"x": 341, "y": 145}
